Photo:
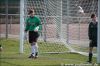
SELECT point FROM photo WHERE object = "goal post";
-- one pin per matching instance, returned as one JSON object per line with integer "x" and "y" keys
{"x": 98, "y": 48}
{"x": 21, "y": 26}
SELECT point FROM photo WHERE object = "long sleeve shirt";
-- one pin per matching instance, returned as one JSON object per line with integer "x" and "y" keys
{"x": 32, "y": 23}
{"x": 92, "y": 31}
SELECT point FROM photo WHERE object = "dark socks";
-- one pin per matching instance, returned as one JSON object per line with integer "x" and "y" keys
{"x": 90, "y": 57}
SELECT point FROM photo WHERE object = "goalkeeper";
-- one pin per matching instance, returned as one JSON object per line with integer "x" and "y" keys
{"x": 92, "y": 33}
{"x": 32, "y": 25}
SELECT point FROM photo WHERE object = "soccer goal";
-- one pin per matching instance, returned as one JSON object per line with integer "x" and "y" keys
{"x": 64, "y": 24}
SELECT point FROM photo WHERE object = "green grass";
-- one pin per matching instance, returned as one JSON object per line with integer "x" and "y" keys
{"x": 10, "y": 55}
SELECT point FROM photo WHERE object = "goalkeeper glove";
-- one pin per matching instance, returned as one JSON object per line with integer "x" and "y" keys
{"x": 36, "y": 29}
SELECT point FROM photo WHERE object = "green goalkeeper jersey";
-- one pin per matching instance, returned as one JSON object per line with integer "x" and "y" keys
{"x": 32, "y": 23}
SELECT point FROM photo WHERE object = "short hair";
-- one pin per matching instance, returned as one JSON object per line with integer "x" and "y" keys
{"x": 30, "y": 11}
{"x": 93, "y": 15}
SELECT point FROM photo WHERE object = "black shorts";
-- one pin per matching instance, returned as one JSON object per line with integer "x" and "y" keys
{"x": 33, "y": 36}
{"x": 93, "y": 43}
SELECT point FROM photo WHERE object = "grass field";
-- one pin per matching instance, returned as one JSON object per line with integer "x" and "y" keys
{"x": 10, "y": 55}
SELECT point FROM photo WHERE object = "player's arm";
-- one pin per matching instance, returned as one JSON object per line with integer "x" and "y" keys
{"x": 90, "y": 32}
{"x": 26, "y": 25}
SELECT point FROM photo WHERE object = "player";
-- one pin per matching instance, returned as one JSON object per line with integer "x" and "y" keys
{"x": 92, "y": 33}
{"x": 32, "y": 25}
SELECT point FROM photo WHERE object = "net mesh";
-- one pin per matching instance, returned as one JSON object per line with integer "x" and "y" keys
{"x": 64, "y": 22}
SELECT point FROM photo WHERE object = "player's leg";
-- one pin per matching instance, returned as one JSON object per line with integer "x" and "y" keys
{"x": 36, "y": 44}
{"x": 92, "y": 44}
{"x": 34, "y": 47}
{"x": 31, "y": 37}
{"x": 90, "y": 54}
{"x": 34, "y": 50}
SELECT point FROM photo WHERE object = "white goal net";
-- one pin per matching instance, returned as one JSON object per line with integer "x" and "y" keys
{"x": 64, "y": 23}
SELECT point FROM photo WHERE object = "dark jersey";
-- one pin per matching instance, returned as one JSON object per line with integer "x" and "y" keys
{"x": 92, "y": 31}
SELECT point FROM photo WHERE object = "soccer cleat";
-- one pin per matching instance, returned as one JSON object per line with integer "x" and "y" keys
{"x": 31, "y": 56}
{"x": 36, "y": 55}
{"x": 89, "y": 61}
